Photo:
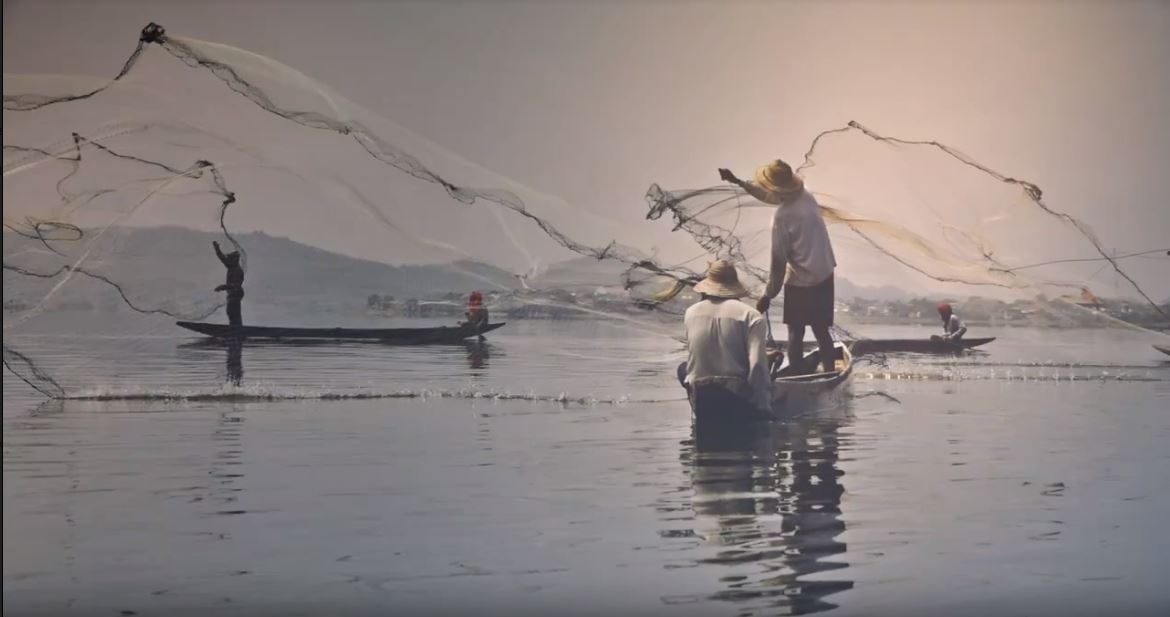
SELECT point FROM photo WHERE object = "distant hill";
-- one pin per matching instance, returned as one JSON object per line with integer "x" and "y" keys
{"x": 847, "y": 290}
{"x": 280, "y": 264}
{"x": 584, "y": 272}
{"x": 580, "y": 273}
{"x": 174, "y": 260}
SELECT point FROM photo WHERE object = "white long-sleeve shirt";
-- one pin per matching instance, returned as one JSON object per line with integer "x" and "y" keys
{"x": 726, "y": 344}
{"x": 954, "y": 328}
{"x": 800, "y": 242}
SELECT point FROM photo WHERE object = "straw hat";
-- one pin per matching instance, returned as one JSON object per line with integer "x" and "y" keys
{"x": 777, "y": 178}
{"x": 722, "y": 281}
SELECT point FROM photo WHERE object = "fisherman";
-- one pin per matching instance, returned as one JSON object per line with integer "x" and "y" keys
{"x": 953, "y": 327}
{"x": 802, "y": 258}
{"x": 477, "y": 313}
{"x": 234, "y": 285}
{"x": 726, "y": 367}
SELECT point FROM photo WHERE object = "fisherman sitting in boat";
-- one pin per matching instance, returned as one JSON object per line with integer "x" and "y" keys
{"x": 802, "y": 258}
{"x": 234, "y": 286}
{"x": 953, "y": 328}
{"x": 477, "y": 313}
{"x": 726, "y": 368}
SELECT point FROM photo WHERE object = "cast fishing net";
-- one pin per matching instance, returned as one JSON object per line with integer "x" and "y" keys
{"x": 114, "y": 190}
{"x": 953, "y": 223}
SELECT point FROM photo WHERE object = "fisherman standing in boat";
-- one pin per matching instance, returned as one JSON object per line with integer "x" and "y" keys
{"x": 802, "y": 258}
{"x": 727, "y": 366}
{"x": 234, "y": 285}
{"x": 953, "y": 327}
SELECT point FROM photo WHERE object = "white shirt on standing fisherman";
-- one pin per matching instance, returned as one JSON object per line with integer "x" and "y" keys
{"x": 801, "y": 250}
{"x": 800, "y": 244}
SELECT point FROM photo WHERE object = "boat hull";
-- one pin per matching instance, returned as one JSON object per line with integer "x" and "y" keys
{"x": 791, "y": 395}
{"x": 798, "y": 394}
{"x": 397, "y": 336}
{"x": 1163, "y": 349}
{"x": 910, "y": 345}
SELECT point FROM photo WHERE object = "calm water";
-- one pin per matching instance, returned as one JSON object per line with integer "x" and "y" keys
{"x": 554, "y": 470}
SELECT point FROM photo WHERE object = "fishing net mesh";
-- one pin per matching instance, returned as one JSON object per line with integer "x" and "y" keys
{"x": 114, "y": 190}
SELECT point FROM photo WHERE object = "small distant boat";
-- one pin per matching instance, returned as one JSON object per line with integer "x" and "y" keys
{"x": 396, "y": 336}
{"x": 792, "y": 393}
{"x": 1163, "y": 349}
{"x": 911, "y": 345}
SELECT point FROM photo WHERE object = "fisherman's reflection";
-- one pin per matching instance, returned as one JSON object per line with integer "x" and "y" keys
{"x": 774, "y": 494}
{"x": 227, "y": 464}
{"x": 478, "y": 354}
{"x": 235, "y": 361}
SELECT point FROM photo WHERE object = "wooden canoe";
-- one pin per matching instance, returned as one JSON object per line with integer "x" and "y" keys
{"x": 909, "y": 345}
{"x": 791, "y": 394}
{"x": 796, "y": 393}
{"x": 396, "y": 336}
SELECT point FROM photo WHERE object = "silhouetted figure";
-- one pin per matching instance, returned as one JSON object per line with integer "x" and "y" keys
{"x": 234, "y": 285}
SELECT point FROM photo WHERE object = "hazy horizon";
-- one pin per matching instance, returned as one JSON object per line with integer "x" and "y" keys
{"x": 593, "y": 102}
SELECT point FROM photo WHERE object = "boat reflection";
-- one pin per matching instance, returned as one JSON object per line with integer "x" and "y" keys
{"x": 769, "y": 497}
{"x": 264, "y": 353}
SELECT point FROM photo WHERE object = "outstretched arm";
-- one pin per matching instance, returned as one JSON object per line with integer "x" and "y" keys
{"x": 759, "y": 193}
{"x": 751, "y": 189}
{"x": 779, "y": 265}
{"x": 219, "y": 253}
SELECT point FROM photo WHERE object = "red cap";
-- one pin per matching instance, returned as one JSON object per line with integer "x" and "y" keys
{"x": 476, "y": 299}
{"x": 944, "y": 308}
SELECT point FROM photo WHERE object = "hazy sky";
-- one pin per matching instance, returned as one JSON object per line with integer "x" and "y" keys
{"x": 594, "y": 101}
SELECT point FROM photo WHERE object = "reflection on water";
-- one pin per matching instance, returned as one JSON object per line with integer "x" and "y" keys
{"x": 201, "y": 352}
{"x": 1052, "y": 490}
{"x": 227, "y": 463}
{"x": 235, "y": 361}
{"x": 478, "y": 354}
{"x": 769, "y": 497}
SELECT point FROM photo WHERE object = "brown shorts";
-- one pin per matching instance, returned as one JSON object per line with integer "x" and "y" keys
{"x": 809, "y": 306}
